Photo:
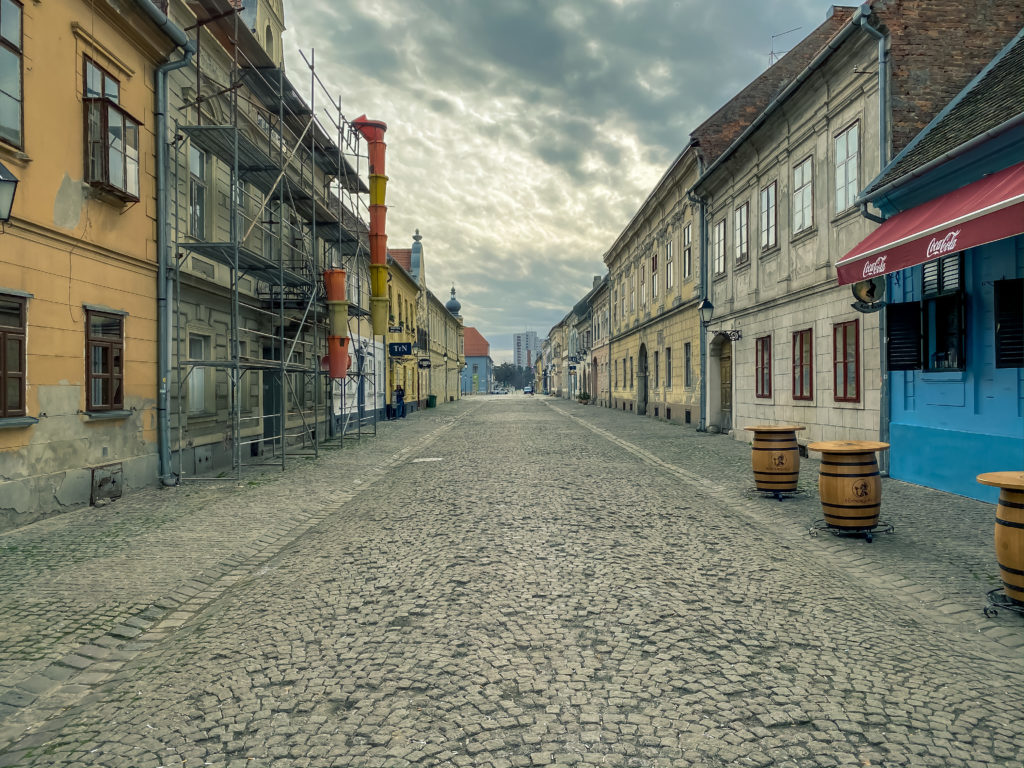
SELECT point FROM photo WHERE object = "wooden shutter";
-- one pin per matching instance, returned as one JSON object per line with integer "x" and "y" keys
{"x": 1009, "y": 317}
{"x": 903, "y": 344}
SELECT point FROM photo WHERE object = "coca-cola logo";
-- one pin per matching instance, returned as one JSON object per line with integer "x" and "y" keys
{"x": 946, "y": 245}
{"x": 876, "y": 267}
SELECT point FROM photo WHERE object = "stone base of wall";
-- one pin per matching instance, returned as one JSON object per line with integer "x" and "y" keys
{"x": 31, "y": 499}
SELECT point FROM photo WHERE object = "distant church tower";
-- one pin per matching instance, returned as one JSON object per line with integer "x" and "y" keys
{"x": 265, "y": 18}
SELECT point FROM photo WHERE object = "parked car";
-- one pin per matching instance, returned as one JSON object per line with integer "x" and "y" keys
{"x": 527, "y": 390}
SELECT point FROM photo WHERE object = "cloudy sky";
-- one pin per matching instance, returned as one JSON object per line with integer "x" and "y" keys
{"x": 524, "y": 134}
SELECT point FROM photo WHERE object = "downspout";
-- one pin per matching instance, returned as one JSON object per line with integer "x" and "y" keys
{"x": 883, "y": 154}
{"x": 163, "y": 228}
{"x": 702, "y": 259}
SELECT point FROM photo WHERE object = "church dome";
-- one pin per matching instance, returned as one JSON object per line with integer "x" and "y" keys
{"x": 453, "y": 305}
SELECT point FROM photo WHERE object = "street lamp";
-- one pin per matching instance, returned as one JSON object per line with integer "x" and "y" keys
{"x": 8, "y": 185}
{"x": 706, "y": 310}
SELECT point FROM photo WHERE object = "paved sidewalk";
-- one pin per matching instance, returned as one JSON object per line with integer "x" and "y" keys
{"x": 146, "y": 626}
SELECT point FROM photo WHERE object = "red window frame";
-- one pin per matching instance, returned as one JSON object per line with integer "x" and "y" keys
{"x": 842, "y": 336}
{"x": 763, "y": 366}
{"x": 803, "y": 365}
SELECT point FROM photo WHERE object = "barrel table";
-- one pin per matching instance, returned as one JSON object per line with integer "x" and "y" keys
{"x": 1009, "y": 536}
{"x": 849, "y": 485}
{"x": 776, "y": 458}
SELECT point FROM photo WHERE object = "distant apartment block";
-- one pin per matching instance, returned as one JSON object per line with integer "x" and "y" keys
{"x": 525, "y": 348}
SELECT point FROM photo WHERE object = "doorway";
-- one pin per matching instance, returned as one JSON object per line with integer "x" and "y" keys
{"x": 641, "y": 382}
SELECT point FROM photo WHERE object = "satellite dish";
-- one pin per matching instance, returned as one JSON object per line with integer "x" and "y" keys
{"x": 869, "y": 294}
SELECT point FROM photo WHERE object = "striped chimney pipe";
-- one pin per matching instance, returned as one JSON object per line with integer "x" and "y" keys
{"x": 373, "y": 132}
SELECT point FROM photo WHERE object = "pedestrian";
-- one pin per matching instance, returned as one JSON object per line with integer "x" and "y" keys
{"x": 400, "y": 401}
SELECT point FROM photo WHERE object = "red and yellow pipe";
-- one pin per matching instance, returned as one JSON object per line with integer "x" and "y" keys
{"x": 373, "y": 132}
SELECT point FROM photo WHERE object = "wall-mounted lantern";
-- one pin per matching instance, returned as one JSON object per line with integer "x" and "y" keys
{"x": 8, "y": 185}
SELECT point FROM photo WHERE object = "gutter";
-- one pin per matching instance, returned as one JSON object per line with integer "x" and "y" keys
{"x": 163, "y": 231}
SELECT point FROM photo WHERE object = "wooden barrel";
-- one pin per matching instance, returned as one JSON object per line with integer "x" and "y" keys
{"x": 849, "y": 484}
{"x": 1010, "y": 542}
{"x": 1009, "y": 533}
{"x": 776, "y": 458}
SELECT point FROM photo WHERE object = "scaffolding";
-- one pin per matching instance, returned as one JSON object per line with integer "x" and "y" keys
{"x": 292, "y": 208}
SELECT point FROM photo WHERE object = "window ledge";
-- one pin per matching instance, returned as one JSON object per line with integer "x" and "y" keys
{"x": 944, "y": 376}
{"x": 769, "y": 253}
{"x": 741, "y": 266}
{"x": 106, "y": 415}
{"x": 15, "y": 155}
{"x": 804, "y": 234}
{"x": 850, "y": 213}
{"x": 17, "y": 422}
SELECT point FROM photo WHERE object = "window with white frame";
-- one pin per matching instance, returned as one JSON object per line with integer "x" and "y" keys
{"x": 669, "y": 265}
{"x": 654, "y": 276}
{"x": 846, "y": 168}
{"x": 803, "y": 216}
{"x": 632, "y": 293}
{"x": 718, "y": 247}
{"x": 10, "y": 73}
{"x": 769, "y": 216}
{"x": 111, "y": 135}
{"x": 643, "y": 285}
{"x": 741, "y": 231}
{"x": 198, "y": 379}
{"x": 687, "y": 253}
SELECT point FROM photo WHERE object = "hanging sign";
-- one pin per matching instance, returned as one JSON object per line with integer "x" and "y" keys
{"x": 400, "y": 348}
{"x": 869, "y": 294}
{"x": 423, "y": 362}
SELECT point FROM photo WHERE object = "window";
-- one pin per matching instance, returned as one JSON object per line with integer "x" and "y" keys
{"x": 198, "y": 347}
{"x": 197, "y": 193}
{"x": 643, "y": 285}
{"x": 741, "y": 221}
{"x": 942, "y": 313}
{"x": 669, "y": 265}
{"x": 668, "y": 367}
{"x": 846, "y": 168}
{"x": 12, "y": 356}
{"x": 631, "y": 372}
{"x": 654, "y": 276}
{"x": 1009, "y": 323}
{"x": 687, "y": 253}
{"x": 846, "y": 361}
{"x": 763, "y": 367}
{"x": 104, "y": 369}
{"x": 803, "y": 359}
{"x": 111, "y": 136}
{"x": 687, "y": 366}
{"x": 769, "y": 217}
{"x": 10, "y": 73}
{"x": 632, "y": 293}
{"x": 802, "y": 193}
{"x": 718, "y": 247}
{"x": 655, "y": 382}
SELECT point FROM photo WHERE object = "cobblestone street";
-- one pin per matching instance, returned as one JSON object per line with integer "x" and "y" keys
{"x": 507, "y": 581}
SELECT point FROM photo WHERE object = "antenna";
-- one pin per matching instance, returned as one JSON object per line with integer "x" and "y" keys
{"x": 774, "y": 55}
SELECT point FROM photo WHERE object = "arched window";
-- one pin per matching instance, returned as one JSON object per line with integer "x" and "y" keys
{"x": 270, "y": 42}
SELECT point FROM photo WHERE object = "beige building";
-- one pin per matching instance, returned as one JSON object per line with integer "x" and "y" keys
{"x": 445, "y": 342}
{"x": 78, "y": 264}
{"x": 654, "y": 291}
{"x": 787, "y": 347}
{"x": 600, "y": 325}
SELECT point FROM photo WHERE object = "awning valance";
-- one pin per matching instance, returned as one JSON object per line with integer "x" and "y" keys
{"x": 982, "y": 212}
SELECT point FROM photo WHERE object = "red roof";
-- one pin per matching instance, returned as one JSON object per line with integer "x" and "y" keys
{"x": 475, "y": 345}
{"x": 403, "y": 256}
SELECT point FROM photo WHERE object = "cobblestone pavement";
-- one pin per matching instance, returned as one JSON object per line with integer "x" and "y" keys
{"x": 506, "y": 582}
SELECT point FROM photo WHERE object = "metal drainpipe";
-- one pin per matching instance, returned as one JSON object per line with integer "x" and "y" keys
{"x": 883, "y": 146}
{"x": 702, "y": 235}
{"x": 181, "y": 40}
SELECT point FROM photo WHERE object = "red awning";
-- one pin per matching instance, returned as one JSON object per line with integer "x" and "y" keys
{"x": 987, "y": 210}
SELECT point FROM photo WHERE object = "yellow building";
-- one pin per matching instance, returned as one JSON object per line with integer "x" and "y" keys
{"x": 445, "y": 341}
{"x": 78, "y": 257}
{"x": 403, "y": 296}
{"x": 654, "y": 275}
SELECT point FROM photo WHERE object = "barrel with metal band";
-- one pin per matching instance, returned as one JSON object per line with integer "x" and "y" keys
{"x": 849, "y": 483}
{"x": 1009, "y": 530}
{"x": 776, "y": 457}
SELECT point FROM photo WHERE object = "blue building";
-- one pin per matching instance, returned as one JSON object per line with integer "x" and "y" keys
{"x": 478, "y": 375}
{"x": 952, "y": 251}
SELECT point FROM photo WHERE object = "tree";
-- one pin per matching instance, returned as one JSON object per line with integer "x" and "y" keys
{"x": 509, "y": 375}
